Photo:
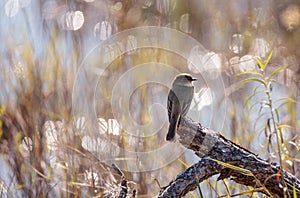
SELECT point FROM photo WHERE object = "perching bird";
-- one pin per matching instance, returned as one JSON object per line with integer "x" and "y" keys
{"x": 179, "y": 101}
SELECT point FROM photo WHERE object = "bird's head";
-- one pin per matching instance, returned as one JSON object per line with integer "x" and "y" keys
{"x": 184, "y": 79}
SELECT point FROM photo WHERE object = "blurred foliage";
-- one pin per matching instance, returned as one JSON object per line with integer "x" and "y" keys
{"x": 43, "y": 43}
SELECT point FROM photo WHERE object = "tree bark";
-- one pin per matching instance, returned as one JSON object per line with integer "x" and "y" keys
{"x": 222, "y": 156}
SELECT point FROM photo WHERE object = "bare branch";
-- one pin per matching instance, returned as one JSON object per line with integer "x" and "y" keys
{"x": 221, "y": 156}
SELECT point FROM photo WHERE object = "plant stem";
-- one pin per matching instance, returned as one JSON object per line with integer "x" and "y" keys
{"x": 275, "y": 127}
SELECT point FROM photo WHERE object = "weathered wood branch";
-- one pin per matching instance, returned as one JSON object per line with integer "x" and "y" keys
{"x": 213, "y": 149}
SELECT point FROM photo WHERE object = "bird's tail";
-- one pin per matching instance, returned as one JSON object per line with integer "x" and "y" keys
{"x": 172, "y": 128}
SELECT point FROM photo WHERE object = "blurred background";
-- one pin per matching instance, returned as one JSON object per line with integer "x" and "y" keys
{"x": 48, "y": 151}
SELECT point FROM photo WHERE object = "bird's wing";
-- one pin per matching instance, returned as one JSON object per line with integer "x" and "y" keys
{"x": 172, "y": 98}
{"x": 170, "y": 104}
{"x": 174, "y": 115}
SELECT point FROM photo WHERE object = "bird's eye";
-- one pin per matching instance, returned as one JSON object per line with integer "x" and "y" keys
{"x": 189, "y": 78}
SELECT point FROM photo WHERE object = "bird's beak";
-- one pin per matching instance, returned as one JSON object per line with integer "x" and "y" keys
{"x": 194, "y": 79}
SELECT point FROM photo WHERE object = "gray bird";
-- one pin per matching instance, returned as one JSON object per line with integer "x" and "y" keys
{"x": 179, "y": 101}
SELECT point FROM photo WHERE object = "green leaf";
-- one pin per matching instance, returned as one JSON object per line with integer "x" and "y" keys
{"x": 286, "y": 101}
{"x": 248, "y": 80}
{"x": 255, "y": 92}
{"x": 183, "y": 163}
{"x": 261, "y": 108}
{"x": 227, "y": 188}
{"x": 249, "y": 73}
{"x": 265, "y": 130}
{"x": 269, "y": 125}
{"x": 268, "y": 60}
{"x": 259, "y": 64}
{"x": 233, "y": 167}
{"x": 269, "y": 143}
{"x": 280, "y": 133}
{"x": 253, "y": 105}
{"x": 276, "y": 71}
{"x": 247, "y": 192}
{"x": 277, "y": 114}
{"x": 281, "y": 126}
{"x": 192, "y": 194}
